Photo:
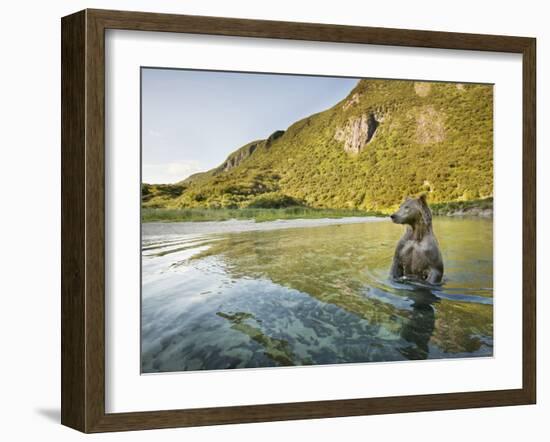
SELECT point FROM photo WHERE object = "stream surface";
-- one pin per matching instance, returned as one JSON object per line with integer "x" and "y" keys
{"x": 237, "y": 294}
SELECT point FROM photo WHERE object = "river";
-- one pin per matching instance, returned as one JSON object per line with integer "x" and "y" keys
{"x": 238, "y": 294}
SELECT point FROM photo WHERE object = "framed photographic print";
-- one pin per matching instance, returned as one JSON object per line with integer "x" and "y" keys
{"x": 270, "y": 220}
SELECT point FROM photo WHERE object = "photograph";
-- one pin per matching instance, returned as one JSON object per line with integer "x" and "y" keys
{"x": 306, "y": 220}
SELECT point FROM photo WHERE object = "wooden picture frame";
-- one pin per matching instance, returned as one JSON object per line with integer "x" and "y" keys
{"x": 83, "y": 220}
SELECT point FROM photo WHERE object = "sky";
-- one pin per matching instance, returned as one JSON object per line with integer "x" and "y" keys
{"x": 192, "y": 120}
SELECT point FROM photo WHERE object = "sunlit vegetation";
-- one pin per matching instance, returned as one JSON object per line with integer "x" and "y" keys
{"x": 436, "y": 139}
{"x": 257, "y": 214}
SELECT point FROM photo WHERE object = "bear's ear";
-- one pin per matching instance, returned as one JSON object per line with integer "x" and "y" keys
{"x": 426, "y": 212}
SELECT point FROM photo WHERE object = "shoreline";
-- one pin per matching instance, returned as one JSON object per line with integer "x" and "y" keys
{"x": 240, "y": 225}
{"x": 482, "y": 208}
{"x": 475, "y": 212}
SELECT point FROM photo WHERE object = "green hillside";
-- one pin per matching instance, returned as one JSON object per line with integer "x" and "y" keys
{"x": 386, "y": 140}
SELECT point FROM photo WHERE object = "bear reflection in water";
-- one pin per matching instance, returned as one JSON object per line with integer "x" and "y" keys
{"x": 419, "y": 328}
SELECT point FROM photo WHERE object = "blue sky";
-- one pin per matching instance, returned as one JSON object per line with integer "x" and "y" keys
{"x": 191, "y": 120}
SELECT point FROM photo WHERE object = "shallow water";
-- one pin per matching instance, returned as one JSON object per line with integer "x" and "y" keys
{"x": 237, "y": 296}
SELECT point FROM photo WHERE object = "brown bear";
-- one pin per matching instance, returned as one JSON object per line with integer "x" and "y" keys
{"x": 417, "y": 254}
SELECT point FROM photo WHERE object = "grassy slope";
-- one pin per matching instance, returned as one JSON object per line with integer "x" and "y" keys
{"x": 440, "y": 143}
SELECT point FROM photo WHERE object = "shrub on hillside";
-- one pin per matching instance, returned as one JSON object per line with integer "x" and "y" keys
{"x": 273, "y": 201}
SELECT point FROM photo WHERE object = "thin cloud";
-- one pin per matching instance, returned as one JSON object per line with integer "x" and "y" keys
{"x": 169, "y": 173}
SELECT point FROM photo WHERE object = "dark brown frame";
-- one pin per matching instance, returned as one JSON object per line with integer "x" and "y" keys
{"x": 83, "y": 216}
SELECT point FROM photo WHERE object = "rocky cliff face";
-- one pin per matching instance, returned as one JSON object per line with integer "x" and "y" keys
{"x": 237, "y": 157}
{"x": 357, "y": 132}
{"x": 274, "y": 136}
